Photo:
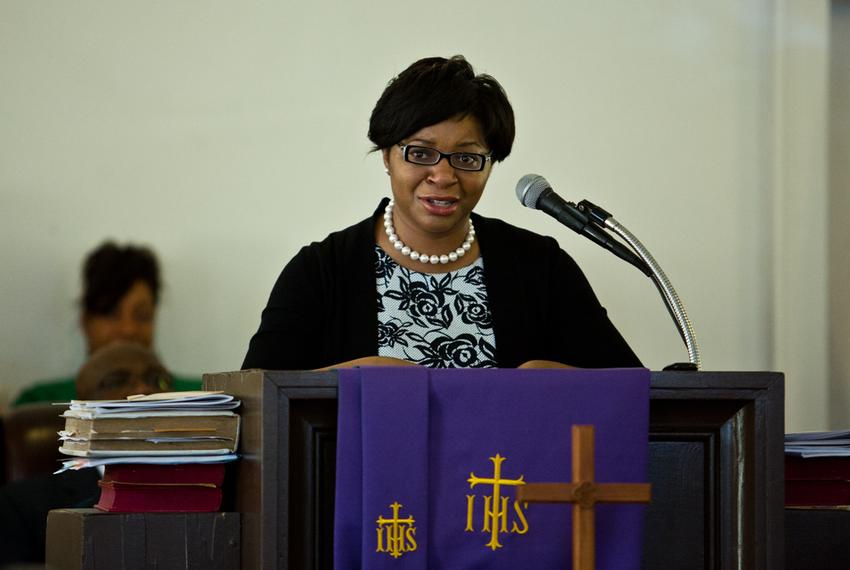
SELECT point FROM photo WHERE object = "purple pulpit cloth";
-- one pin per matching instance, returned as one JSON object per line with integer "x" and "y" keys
{"x": 428, "y": 462}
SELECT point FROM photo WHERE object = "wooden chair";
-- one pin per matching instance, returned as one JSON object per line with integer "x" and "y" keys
{"x": 30, "y": 441}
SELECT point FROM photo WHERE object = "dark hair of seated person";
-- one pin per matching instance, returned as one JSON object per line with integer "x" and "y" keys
{"x": 111, "y": 270}
{"x": 435, "y": 89}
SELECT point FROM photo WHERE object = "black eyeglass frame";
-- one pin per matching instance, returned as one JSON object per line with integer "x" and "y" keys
{"x": 406, "y": 148}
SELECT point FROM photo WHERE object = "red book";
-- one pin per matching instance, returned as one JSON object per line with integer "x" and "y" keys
{"x": 817, "y": 481}
{"x": 817, "y": 468}
{"x": 183, "y": 473}
{"x": 827, "y": 493}
{"x": 157, "y": 498}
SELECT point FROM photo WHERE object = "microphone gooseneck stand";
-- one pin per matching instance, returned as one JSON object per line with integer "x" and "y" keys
{"x": 671, "y": 299}
{"x": 591, "y": 221}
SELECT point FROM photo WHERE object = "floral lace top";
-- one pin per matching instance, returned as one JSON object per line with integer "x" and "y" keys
{"x": 439, "y": 320}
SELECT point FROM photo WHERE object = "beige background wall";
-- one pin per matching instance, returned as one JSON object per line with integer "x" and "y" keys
{"x": 226, "y": 135}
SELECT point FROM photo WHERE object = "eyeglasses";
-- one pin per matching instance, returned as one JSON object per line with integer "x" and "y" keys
{"x": 424, "y": 156}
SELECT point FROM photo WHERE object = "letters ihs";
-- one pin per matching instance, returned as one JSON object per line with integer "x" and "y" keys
{"x": 496, "y": 506}
{"x": 396, "y": 535}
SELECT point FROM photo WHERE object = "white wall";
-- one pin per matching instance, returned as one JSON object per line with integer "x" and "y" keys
{"x": 226, "y": 135}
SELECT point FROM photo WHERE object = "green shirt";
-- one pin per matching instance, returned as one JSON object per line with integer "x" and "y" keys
{"x": 65, "y": 390}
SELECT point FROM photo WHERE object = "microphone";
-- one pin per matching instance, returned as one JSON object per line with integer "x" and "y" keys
{"x": 590, "y": 220}
{"x": 533, "y": 191}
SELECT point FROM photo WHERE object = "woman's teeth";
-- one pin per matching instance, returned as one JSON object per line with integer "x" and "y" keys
{"x": 444, "y": 203}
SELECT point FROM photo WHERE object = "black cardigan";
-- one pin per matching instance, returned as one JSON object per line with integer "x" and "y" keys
{"x": 323, "y": 308}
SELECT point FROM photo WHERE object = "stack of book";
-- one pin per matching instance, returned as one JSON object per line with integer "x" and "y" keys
{"x": 817, "y": 469}
{"x": 161, "y": 453}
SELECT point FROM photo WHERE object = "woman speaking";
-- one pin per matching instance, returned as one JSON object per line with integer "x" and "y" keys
{"x": 424, "y": 280}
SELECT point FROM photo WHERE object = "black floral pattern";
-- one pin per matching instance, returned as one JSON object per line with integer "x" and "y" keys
{"x": 437, "y": 320}
{"x": 392, "y": 333}
{"x": 385, "y": 266}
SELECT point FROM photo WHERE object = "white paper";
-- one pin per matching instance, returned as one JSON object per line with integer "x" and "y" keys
{"x": 82, "y": 463}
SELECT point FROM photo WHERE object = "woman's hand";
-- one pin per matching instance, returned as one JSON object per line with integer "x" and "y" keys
{"x": 543, "y": 364}
{"x": 369, "y": 361}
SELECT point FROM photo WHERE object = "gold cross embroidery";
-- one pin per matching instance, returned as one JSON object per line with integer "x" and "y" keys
{"x": 495, "y": 513}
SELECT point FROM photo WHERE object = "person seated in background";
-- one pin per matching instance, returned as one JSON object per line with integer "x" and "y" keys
{"x": 121, "y": 288}
{"x": 115, "y": 371}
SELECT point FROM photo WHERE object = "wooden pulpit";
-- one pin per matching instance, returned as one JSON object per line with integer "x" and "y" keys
{"x": 715, "y": 466}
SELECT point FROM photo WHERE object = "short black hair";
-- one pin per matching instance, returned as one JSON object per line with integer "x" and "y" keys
{"x": 434, "y": 89}
{"x": 111, "y": 270}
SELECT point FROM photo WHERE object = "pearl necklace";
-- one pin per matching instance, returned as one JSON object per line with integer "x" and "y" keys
{"x": 415, "y": 255}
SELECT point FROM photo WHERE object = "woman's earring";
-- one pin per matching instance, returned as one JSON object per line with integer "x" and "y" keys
{"x": 387, "y": 171}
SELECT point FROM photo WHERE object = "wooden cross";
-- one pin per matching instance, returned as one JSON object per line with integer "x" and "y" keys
{"x": 585, "y": 492}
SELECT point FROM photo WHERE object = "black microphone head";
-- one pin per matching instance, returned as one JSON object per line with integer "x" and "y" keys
{"x": 529, "y": 188}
